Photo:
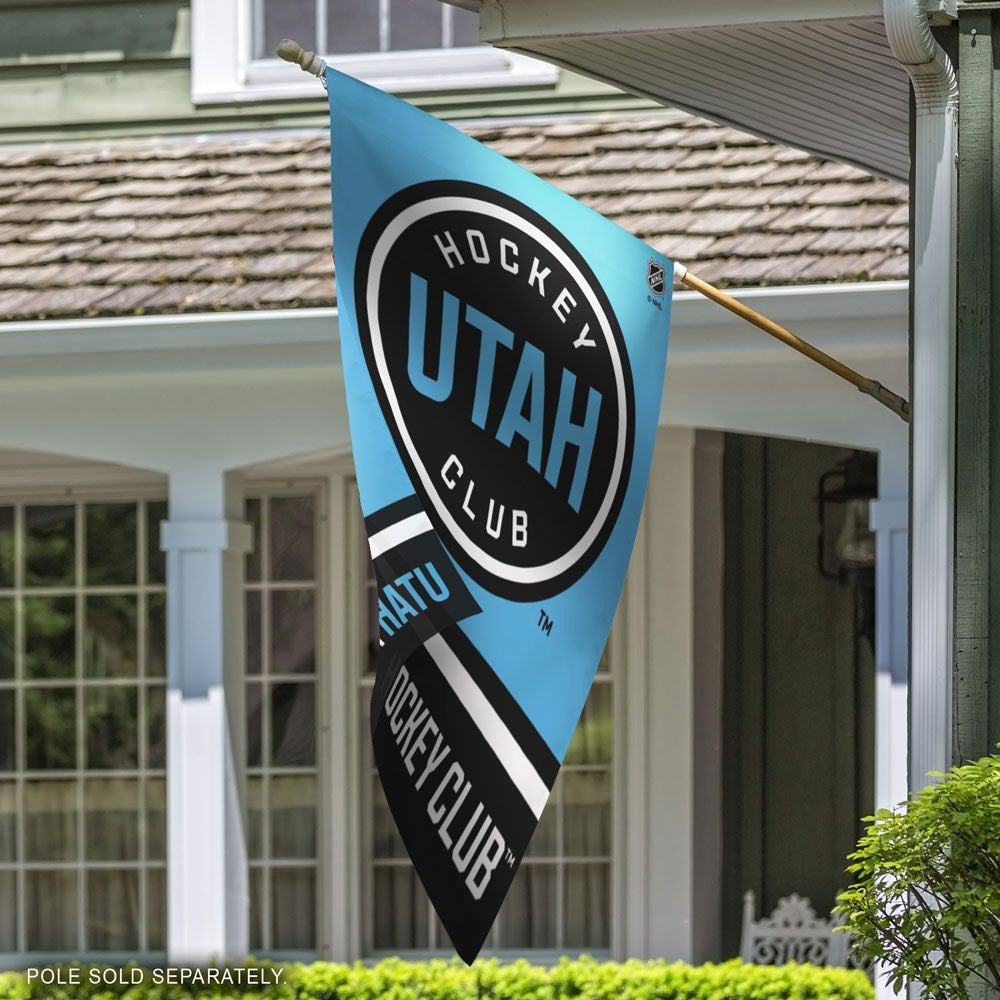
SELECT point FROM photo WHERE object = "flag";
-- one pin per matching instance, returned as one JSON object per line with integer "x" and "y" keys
{"x": 503, "y": 352}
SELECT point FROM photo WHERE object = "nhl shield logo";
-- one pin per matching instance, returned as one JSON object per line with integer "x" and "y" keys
{"x": 655, "y": 278}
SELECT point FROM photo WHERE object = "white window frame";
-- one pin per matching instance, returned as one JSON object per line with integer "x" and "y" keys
{"x": 223, "y": 70}
{"x": 70, "y": 486}
{"x": 317, "y": 487}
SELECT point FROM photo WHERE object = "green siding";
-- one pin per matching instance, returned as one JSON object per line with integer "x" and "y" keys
{"x": 91, "y": 68}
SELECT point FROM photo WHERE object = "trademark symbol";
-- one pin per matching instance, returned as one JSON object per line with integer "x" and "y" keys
{"x": 509, "y": 858}
{"x": 544, "y": 622}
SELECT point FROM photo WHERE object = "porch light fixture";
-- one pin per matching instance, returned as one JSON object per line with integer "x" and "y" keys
{"x": 851, "y": 484}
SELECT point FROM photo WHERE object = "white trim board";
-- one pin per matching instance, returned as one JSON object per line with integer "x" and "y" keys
{"x": 503, "y": 20}
{"x": 297, "y": 329}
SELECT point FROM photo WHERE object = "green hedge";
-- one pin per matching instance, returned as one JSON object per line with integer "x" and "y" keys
{"x": 488, "y": 980}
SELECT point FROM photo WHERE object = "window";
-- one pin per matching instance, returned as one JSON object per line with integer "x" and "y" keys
{"x": 82, "y": 728}
{"x": 281, "y": 698}
{"x": 560, "y": 899}
{"x": 353, "y": 27}
{"x": 404, "y": 46}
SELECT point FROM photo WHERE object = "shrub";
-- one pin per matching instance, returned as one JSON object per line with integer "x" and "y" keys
{"x": 488, "y": 980}
{"x": 927, "y": 897}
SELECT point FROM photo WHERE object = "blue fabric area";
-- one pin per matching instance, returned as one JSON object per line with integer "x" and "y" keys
{"x": 380, "y": 145}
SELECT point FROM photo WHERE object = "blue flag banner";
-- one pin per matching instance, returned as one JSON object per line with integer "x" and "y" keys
{"x": 503, "y": 352}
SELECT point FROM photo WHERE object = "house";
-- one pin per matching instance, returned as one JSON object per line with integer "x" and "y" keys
{"x": 185, "y": 604}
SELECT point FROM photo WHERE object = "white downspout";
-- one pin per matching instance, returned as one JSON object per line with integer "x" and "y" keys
{"x": 934, "y": 316}
{"x": 932, "y": 244}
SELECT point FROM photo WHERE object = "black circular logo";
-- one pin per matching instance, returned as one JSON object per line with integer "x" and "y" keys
{"x": 503, "y": 376}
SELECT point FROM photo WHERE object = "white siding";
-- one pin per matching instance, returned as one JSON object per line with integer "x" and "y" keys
{"x": 830, "y": 87}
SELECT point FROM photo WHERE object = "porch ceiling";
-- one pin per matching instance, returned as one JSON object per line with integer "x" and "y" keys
{"x": 816, "y": 74}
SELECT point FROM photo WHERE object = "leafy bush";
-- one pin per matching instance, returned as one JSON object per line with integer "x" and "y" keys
{"x": 487, "y": 980}
{"x": 927, "y": 897}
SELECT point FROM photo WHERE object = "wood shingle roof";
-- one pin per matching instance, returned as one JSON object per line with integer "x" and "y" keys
{"x": 229, "y": 223}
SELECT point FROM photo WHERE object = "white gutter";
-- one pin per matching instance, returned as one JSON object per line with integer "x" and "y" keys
{"x": 933, "y": 248}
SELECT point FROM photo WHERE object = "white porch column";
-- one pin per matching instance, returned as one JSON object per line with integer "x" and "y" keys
{"x": 670, "y": 816}
{"x": 207, "y": 885}
{"x": 889, "y": 520}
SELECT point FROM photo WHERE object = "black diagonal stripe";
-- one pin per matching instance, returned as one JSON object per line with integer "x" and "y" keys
{"x": 392, "y": 513}
{"x": 490, "y": 800}
{"x": 529, "y": 739}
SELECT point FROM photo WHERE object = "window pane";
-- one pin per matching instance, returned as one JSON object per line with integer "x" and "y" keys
{"x": 109, "y": 646}
{"x": 50, "y": 816}
{"x": 287, "y": 19}
{"x": 156, "y": 727}
{"x": 257, "y": 877}
{"x": 8, "y": 821}
{"x": 111, "y": 814}
{"x": 112, "y": 910}
{"x": 293, "y": 726}
{"x": 156, "y": 819}
{"x": 51, "y": 728}
{"x": 401, "y": 909}
{"x": 51, "y": 910}
{"x": 415, "y": 24}
{"x": 293, "y": 632}
{"x": 8, "y": 761}
{"x": 49, "y": 637}
{"x": 253, "y": 632}
{"x": 386, "y": 841}
{"x": 111, "y": 543}
{"x": 253, "y": 556}
{"x": 293, "y": 908}
{"x": 6, "y": 546}
{"x": 587, "y": 906}
{"x": 545, "y": 840}
{"x": 156, "y": 558}
{"x": 587, "y": 813}
{"x": 528, "y": 915}
{"x": 255, "y": 818}
{"x": 6, "y": 638}
{"x": 156, "y": 635}
{"x": 254, "y": 725}
{"x": 110, "y": 718}
{"x": 293, "y": 537}
{"x": 156, "y": 909}
{"x": 591, "y": 743}
{"x": 8, "y": 911}
{"x": 49, "y": 546}
{"x": 464, "y": 27}
{"x": 293, "y": 816}
{"x": 351, "y": 27}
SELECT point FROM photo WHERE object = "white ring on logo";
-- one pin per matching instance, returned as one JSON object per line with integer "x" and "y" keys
{"x": 391, "y": 233}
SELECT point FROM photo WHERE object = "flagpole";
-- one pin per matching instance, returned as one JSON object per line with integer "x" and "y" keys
{"x": 310, "y": 62}
{"x": 869, "y": 386}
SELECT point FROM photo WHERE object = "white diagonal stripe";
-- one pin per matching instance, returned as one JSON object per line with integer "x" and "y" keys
{"x": 500, "y": 739}
{"x": 396, "y": 534}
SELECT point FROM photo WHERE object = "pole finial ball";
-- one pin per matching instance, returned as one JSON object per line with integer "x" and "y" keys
{"x": 292, "y": 52}
{"x": 289, "y": 51}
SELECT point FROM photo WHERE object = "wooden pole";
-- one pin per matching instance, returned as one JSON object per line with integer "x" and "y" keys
{"x": 869, "y": 386}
